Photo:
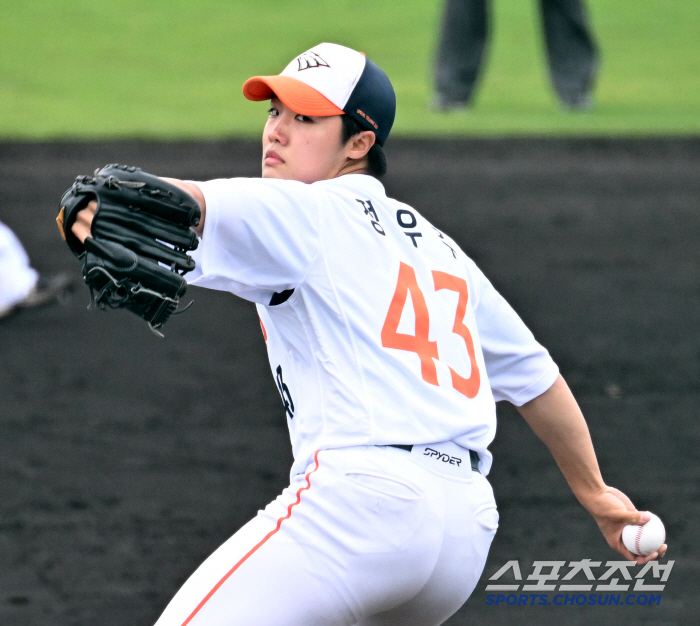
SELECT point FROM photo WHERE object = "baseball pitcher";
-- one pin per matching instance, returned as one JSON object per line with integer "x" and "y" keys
{"x": 388, "y": 345}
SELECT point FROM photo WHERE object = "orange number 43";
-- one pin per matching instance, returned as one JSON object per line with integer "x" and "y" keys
{"x": 419, "y": 343}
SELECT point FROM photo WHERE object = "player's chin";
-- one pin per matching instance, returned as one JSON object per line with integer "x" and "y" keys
{"x": 275, "y": 171}
{"x": 281, "y": 173}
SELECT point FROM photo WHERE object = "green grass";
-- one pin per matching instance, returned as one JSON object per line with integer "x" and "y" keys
{"x": 173, "y": 68}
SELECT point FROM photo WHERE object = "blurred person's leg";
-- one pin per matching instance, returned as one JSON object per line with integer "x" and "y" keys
{"x": 571, "y": 51}
{"x": 463, "y": 35}
{"x": 17, "y": 277}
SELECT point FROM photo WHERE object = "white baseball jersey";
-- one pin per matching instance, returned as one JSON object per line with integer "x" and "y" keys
{"x": 379, "y": 329}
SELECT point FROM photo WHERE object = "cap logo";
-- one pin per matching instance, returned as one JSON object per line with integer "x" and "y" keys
{"x": 310, "y": 60}
{"x": 367, "y": 117}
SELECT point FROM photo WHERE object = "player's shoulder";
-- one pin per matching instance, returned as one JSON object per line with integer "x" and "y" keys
{"x": 258, "y": 186}
{"x": 350, "y": 186}
{"x": 260, "y": 196}
{"x": 323, "y": 191}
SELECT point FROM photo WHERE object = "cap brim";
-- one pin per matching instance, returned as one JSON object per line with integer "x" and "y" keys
{"x": 295, "y": 94}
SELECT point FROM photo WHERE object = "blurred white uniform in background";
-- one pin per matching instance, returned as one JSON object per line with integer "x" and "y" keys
{"x": 17, "y": 277}
{"x": 21, "y": 286}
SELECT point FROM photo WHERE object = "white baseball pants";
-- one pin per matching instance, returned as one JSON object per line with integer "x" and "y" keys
{"x": 369, "y": 535}
{"x": 17, "y": 278}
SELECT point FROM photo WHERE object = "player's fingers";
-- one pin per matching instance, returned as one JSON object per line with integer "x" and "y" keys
{"x": 635, "y": 518}
{"x": 643, "y": 517}
{"x": 661, "y": 552}
{"x": 620, "y": 547}
{"x": 622, "y": 498}
{"x": 642, "y": 560}
{"x": 81, "y": 226}
{"x": 614, "y": 540}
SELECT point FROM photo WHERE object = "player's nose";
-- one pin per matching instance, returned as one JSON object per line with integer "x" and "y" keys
{"x": 277, "y": 130}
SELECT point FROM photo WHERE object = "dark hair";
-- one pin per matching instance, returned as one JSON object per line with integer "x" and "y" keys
{"x": 376, "y": 159}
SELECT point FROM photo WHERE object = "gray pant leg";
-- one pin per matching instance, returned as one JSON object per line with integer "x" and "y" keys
{"x": 461, "y": 48}
{"x": 571, "y": 50}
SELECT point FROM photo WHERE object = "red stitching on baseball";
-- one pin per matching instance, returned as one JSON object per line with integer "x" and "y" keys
{"x": 637, "y": 537}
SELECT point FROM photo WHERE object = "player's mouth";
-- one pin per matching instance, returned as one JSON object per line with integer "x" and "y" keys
{"x": 272, "y": 158}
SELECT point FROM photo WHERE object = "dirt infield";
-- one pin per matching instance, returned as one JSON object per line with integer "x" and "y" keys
{"x": 125, "y": 459}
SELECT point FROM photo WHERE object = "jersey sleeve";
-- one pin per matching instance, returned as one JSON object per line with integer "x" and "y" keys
{"x": 260, "y": 236}
{"x": 518, "y": 368}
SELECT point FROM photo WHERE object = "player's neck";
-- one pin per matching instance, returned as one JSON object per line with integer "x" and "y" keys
{"x": 352, "y": 166}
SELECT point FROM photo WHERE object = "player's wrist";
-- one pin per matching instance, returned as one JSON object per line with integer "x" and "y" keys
{"x": 194, "y": 190}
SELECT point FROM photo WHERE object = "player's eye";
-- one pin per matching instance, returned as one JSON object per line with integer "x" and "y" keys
{"x": 273, "y": 112}
{"x": 304, "y": 118}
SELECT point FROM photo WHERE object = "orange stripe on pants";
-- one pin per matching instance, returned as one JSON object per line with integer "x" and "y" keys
{"x": 252, "y": 551}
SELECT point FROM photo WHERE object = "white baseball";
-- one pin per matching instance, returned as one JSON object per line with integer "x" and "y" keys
{"x": 646, "y": 538}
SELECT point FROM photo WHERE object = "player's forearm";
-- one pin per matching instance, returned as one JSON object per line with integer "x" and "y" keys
{"x": 197, "y": 194}
{"x": 556, "y": 419}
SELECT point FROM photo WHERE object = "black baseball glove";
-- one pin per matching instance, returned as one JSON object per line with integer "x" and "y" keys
{"x": 137, "y": 254}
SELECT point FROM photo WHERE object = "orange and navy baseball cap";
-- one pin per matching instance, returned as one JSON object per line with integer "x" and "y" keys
{"x": 330, "y": 79}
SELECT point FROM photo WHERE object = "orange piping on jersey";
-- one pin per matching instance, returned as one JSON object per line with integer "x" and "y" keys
{"x": 263, "y": 329}
{"x": 253, "y": 550}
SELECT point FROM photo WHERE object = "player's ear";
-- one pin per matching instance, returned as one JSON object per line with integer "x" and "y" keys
{"x": 359, "y": 145}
